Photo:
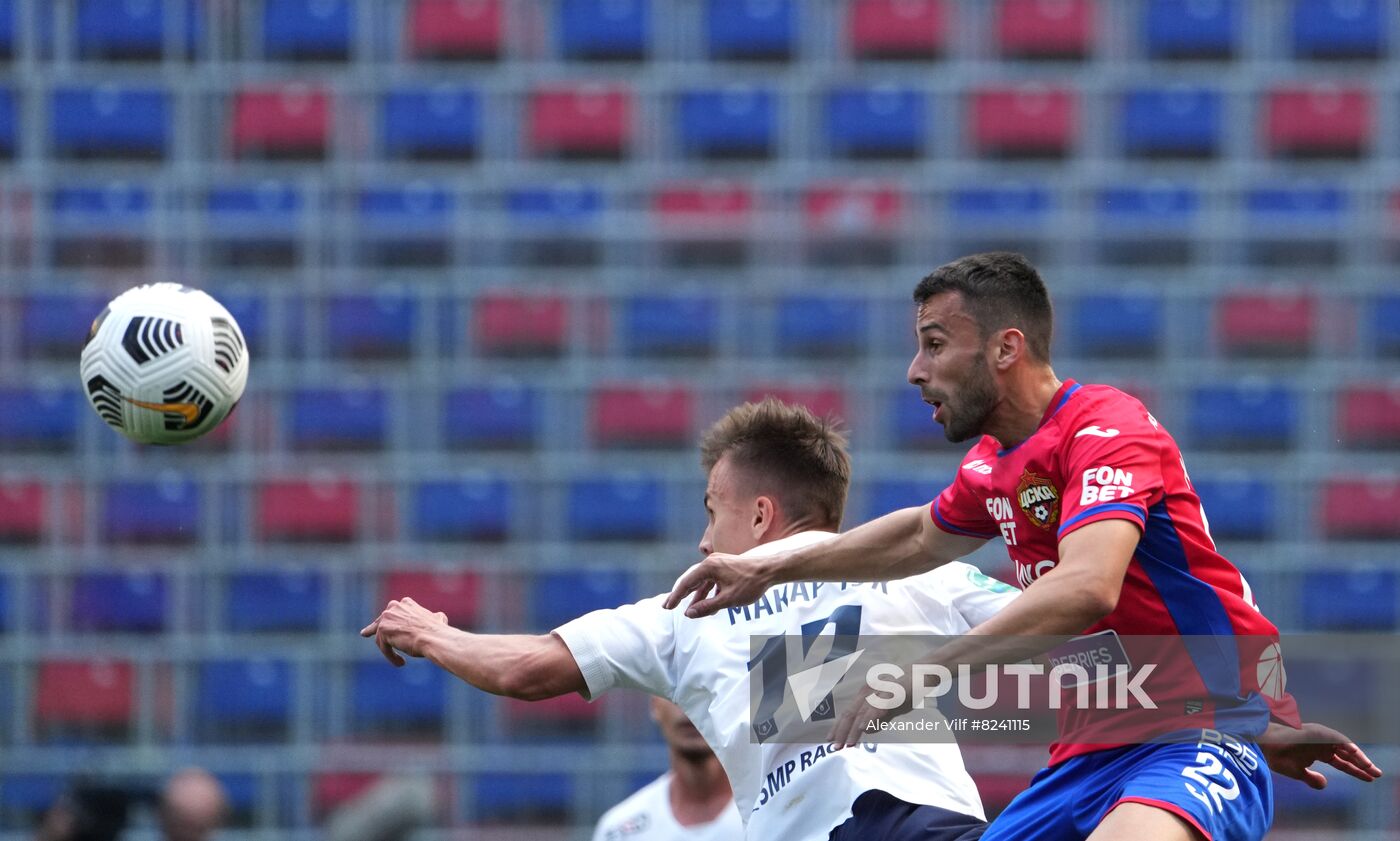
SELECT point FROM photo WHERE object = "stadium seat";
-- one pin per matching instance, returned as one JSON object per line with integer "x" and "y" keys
{"x": 244, "y": 700}
{"x": 299, "y": 510}
{"x": 287, "y": 122}
{"x": 338, "y": 419}
{"x": 1118, "y": 324}
{"x": 671, "y": 326}
{"x": 465, "y": 509}
{"x": 1014, "y": 216}
{"x": 617, "y": 508}
{"x": 455, "y": 29}
{"x": 1349, "y": 600}
{"x": 1294, "y": 226}
{"x": 604, "y": 30}
{"x": 1046, "y": 29}
{"x": 1239, "y": 508}
{"x": 110, "y": 122}
{"x": 332, "y": 789}
{"x": 822, "y": 326}
{"x": 24, "y": 798}
{"x": 876, "y": 122}
{"x": 1243, "y": 417}
{"x": 1368, "y": 416}
{"x": 512, "y": 324}
{"x": 1149, "y": 225}
{"x": 250, "y": 309}
{"x": 736, "y": 122}
{"x": 704, "y": 224}
{"x": 1361, "y": 508}
{"x": 562, "y": 718}
{"x": 1386, "y": 323}
{"x": 441, "y": 123}
{"x": 408, "y": 226}
{"x": 91, "y": 695}
{"x": 9, "y": 124}
{"x": 123, "y": 602}
{"x": 854, "y": 223}
{"x": 7, "y": 29}
{"x": 23, "y": 510}
{"x": 1175, "y": 122}
{"x": 254, "y": 226}
{"x": 751, "y": 30}
{"x": 522, "y": 798}
{"x": 911, "y": 423}
{"x": 385, "y": 700}
{"x": 1319, "y": 121}
{"x": 1266, "y": 323}
{"x": 55, "y": 325}
{"x": 377, "y": 326}
{"x": 163, "y": 510}
{"x": 491, "y": 417}
{"x": 897, "y": 29}
{"x": 39, "y": 419}
{"x": 884, "y": 496}
{"x": 135, "y": 31}
{"x": 281, "y": 601}
{"x": 1340, "y": 29}
{"x": 592, "y": 122}
{"x": 1027, "y": 122}
{"x": 556, "y": 225}
{"x": 626, "y": 415}
{"x": 558, "y": 597}
{"x": 824, "y": 402}
{"x": 1192, "y": 29}
{"x": 457, "y": 594}
{"x": 308, "y": 30}
{"x": 101, "y": 227}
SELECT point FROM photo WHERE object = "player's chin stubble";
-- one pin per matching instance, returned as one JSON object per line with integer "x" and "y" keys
{"x": 977, "y": 397}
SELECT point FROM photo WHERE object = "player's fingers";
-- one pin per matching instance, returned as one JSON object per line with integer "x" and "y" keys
{"x": 441, "y": 617}
{"x": 371, "y": 629}
{"x": 707, "y": 606}
{"x": 1354, "y": 755}
{"x": 1314, "y": 779}
{"x": 688, "y": 583}
{"x": 1365, "y": 772}
{"x": 388, "y": 650}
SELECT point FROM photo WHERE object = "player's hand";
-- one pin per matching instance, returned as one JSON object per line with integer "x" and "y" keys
{"x": 403, "y": 627}
{"x": 1291, "y": 752}
{"x": 864, "y": 716}
{"x": 722, "y": 581}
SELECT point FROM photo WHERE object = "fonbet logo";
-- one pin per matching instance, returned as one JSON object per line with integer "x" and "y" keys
{"x": 1039, "y": 500}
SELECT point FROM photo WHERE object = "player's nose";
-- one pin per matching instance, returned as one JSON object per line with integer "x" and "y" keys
{"x": 915, "y": 375}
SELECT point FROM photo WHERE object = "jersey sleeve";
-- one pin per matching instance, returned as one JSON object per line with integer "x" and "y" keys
{"x": 1113, "y": 470}
{"x": 631, "y": 647}
{"x": 957, "y": 510}
{"x": 976, "y": 597}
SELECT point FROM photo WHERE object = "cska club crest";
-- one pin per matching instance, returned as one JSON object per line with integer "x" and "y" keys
{"x": 1039, "y": 500}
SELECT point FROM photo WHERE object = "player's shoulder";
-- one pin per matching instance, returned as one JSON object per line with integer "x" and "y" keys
{"x": 636, "y": 814}
{"x": 1103, "y": 411}
{"x": 958, "y": 576}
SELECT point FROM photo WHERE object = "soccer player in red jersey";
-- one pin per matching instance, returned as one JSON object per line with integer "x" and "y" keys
{"x": 1091, "y": 497}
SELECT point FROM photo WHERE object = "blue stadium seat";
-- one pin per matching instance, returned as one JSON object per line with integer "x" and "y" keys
{"x": 134, "y": 602}
{"x": 1155, "y": 212}
{"x": 242, "y": 793}
{"x": 491, "y": 417}
{"x": 882, "y": 497}
{"x": 431, "y": 123}
{"x": 117, "y": 209}
{"x": 477, "y": 508}
{"x": 1173, "y": 122}
{"x": 911, "y": 421}
{"x": 876, "y": 122}
{"x": 165, "y": 510}
{"x": 511, "y": 797}
{"x": 9, "y": 124}
{"x": 1387, "y": 325}
{"x": 338, "y": 419}
{"x": 609, "y": 30}
{"x": 383, "y": 698}
{"x": 732, "y": 122}
{"x": 7, "y": 610}
{"x": 284, "y": 601}
{"x": 7, "y": 29}
{"x": 1349, "y": 600}
{"x": 654, "y": 325}
{"x": 250, "y": 309}
{"x": 822, "y": 326}
{"x": 1206, "y": 29}
{"x": 29, "y": 795}
{"x": 1118, "y": 324}
{"x": 617, "y": 508}
{"x": 764, "y": 30}
{"x": 247, "y": 699}
{"x": 56, "y": 324}
{"x": 108, "y": 30}
{"x": 312, "y": 30}
{"x": 1238, "y": 509}
{"x": 376, "y": 326}
{"x": 553, "y": 207}
{"x": 1243, "y": 417}
{"x": 110, "y": 122}
{"x": 39, "y": 419}
{"x": 1009, "y": 207}
{"x": 1345, "y": 29}
{"x": 406, "y": 226}
{"x": 271, "y": 207}
{"x": 561, "y": 596}
{"x": 1309, "y": 207}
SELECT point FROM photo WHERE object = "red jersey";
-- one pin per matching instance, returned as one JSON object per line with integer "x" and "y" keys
{"x": 1098, "y": 454}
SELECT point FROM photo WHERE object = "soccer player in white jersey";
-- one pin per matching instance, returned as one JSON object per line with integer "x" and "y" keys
{"x": 690, "y": 802}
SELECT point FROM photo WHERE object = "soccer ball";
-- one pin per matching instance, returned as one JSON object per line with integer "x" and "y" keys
{"x": 164, "y": 363}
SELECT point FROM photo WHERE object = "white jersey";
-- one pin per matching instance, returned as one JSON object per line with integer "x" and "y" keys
{"x": 647, "y": 816}
{"x": 789, "y": 791}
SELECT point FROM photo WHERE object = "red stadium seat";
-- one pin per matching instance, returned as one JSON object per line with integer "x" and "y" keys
{"x": 23, "y": 511}
{"x": 640, "y": 416}
{"x": 823, "y": 402}
{"x": 1361, "y": 508}
{"x": 702, "y": 208}
{"x": 455, "y": 29}
{"x": 588, "y": 121}
{"x": 288, "y": 122}
{"x": 1029, "y": 121}
{"x": 563, "y": 711}
{"x": 853, "y": 209}
{"x": 298, "y": 510}
{"x": 330, "y": 790}
{"x": 507, "y": 324}
{"x": 1319, "y": 121}
{"x": 84, "y": 694}
{"x": 458, "y": 594}
{"x": 1053, "y": 29}
{"x": 1368, "y": 416}
{"x": 1266, "y": 324}
{"x": 897, "y": 29}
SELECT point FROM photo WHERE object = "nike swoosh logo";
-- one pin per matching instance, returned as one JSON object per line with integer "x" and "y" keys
{"x": 188, "y": 411}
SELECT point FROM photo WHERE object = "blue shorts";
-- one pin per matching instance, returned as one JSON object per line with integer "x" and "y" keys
{"x": 879, "y": 816}
{"x": 1218, "y": 783}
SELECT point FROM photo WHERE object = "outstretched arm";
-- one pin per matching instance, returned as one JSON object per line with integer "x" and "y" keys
{"x": 530, "y": 667}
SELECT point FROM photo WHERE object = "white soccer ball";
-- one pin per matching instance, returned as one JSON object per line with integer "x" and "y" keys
{"x": 164, "y": 363}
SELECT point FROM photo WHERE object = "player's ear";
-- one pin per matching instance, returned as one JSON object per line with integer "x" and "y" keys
{"x": 765, "y": 512}
{"x": 1009, "y": 345}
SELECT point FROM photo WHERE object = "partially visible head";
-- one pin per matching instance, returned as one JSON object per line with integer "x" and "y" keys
{"x": 193, "y": 806}
{"x": 773, "y": 469}
{"x": 679, "y": 732}
{"x": 977, "y": 317}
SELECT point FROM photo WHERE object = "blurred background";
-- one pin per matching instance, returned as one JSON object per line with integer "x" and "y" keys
{"x": 500, "y": 261}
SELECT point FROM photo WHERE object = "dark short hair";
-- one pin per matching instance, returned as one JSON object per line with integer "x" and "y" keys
{"x": 1000, "y": 289}
{"x": 788, "y": 453}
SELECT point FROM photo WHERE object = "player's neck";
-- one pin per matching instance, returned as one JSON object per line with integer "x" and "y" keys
{"x": 699, "y": 789}
{"x": 1023, "y": 405}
